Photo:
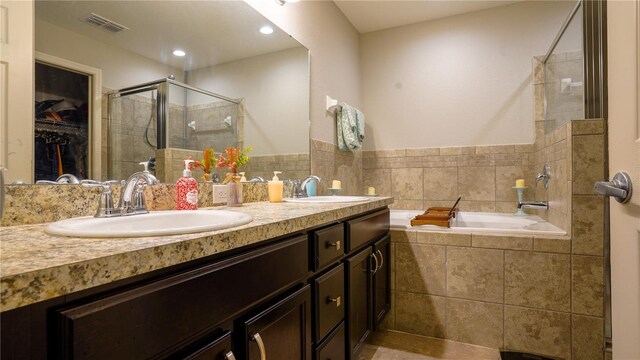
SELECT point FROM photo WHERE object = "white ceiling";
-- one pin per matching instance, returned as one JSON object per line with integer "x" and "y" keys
{"x": 368, "y": 15}
{"x": 211, "y": 32}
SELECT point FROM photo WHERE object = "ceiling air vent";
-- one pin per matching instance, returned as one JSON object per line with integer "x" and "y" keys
{"x": 105, "y": 24}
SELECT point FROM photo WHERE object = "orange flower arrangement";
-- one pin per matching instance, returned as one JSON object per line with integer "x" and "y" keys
{"x": 205, "y": 164}
{"x": 233, "y": 158}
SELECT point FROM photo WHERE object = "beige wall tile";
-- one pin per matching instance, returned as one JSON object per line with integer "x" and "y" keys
{"x": 389, "y": 153}
{"x": 477, "y": 183}
{"x": 559, "y": 192}
{"x": 420, "y": 314}
{"x": 495, "y": 149}
{"x": 587, "y": 274}
{"x": 506, "y": 177}
{"x": 588, "y": 127}
{"x": 403, "y": 236}
{"x": 587, "y": 337}
{"x": 458, "y": 150}
{"x": 475, "y": 274}
{"x": 400, "y": 204}
{"x": 483, "y": 206}
{"x": 506, "y": 207}
{"x": 475, "y": 322}
{"x": 379, "y": 179}
{"x": 502, "y": 242}
{"x": 537, "y": 280}
{"x": 588, "y": 162}
{"x": 422, "y": 152}
{"x": 433, "y": 238}
{"x": 537, "y": 331}
{"x": 407, "y": 184}
{"x": 420, "y": 268}
{"x": 552, "y": 245}
{"x": 588, "y": 224}
{"x": 441, "y": 183}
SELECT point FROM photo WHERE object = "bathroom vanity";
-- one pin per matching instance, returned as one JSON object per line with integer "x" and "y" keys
{"x": 302, "y": 281}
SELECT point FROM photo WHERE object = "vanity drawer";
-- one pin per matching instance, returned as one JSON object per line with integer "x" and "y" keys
{"x": 218, "y": 349}
{"x": 366, "y": 229}
{"x": 334, "y": 347}
{"x": 328, "y": 245}
{"x": 153, "y": 320}
{"x": 329, "y": 301}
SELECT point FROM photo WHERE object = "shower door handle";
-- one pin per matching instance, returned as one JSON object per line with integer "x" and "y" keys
{"x": 620, "y": 187}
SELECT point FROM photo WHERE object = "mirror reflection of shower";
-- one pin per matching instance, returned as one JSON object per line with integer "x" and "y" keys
{"x": 166, "y": 121}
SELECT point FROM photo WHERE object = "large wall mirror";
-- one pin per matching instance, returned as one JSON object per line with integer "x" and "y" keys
{"x": 239, "y": 83}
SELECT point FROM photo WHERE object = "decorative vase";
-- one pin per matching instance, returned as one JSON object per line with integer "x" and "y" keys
{"x": 234, "y": 190}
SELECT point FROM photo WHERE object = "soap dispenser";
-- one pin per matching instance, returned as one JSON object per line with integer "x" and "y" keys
{"x": 275, "y": 187}
{"x": 187, "y": 190}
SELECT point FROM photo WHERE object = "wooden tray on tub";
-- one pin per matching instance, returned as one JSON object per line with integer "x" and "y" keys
{"x": 440, "y": 216}
{"x": 435, "y": 216}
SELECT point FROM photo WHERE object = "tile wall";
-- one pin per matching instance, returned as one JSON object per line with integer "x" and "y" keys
{"x": 329, "y": 163}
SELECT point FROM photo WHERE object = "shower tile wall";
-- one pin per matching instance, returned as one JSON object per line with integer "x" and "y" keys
{"x": 130, "y": 120}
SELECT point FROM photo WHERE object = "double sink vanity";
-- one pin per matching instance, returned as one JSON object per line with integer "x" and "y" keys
{"x": 297, "y": 280}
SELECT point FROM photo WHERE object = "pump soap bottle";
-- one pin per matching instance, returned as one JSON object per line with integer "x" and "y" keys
{"x": 275, "y": 186}
{"x": 187, "y": 190}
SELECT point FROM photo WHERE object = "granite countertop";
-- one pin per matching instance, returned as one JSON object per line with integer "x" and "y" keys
{"x": 35, "y": 266}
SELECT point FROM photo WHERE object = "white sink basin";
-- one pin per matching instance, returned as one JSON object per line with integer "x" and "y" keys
{"x": 327, "y": 199}
{"x": 153, "y": 224}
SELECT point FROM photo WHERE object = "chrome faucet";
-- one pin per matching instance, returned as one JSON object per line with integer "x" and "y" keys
{"x": 540, "y": 205}
{"x": 300, "y": 188}
{"x": 257, "y": 179}
{"x": 62, "y": 179}
{"x": 132, "y": 198}
{"x": 545, "y": 175}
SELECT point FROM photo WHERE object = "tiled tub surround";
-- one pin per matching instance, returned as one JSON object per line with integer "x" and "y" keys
{"x": 37, "y": 266}
{"x": 524, "y": 293}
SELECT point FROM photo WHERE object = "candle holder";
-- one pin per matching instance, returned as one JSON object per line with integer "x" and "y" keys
{"x": 335, "y": 191}
{"x": 520, "y": 190}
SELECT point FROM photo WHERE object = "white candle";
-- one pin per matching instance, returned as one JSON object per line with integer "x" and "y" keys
{"x": 336, "y": 184}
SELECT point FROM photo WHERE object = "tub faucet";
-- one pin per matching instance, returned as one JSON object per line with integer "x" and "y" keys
{"x": 132, "y": 198}
{"x": 540, "y": 205}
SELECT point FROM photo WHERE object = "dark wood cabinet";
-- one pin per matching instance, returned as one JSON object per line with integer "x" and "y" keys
{"x": 333, "y": 348}
{"x": 319, "y": 292}
{"x": 381, "y": 280}
{"x": 329, "y": 302}
{"x": 359, "y": 298}
{"x": 281, "y": 331}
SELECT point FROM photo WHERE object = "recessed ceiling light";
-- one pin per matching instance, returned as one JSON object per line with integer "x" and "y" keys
{"x": 179, "y": 53}
{"x": 266, "y": 30}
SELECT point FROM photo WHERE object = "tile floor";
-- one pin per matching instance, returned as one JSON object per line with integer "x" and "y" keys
{"x": 393, "y": 345}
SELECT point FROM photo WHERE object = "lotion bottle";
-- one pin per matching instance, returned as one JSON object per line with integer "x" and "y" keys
{"x": 275, "y": 187}
{"x": 187, "y": 190}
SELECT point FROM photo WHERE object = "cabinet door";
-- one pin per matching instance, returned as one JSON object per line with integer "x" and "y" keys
{"x": 282, "y": 331}
{"x": 359, "y": 299}
{"x": 382, "y": 280}
{"x": 217, "y": 349}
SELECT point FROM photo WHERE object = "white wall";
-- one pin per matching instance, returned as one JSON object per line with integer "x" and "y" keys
{"x": 275, "y": 88}
{"x": 461, "y": 80}
{"x": 333, "y": 43}
{"x": 120, "y": 68}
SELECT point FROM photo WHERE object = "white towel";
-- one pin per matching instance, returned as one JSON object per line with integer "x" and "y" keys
{"x": 350, "y": 126}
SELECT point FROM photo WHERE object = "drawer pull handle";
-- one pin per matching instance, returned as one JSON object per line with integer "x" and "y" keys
{"x": 375, "y": 258}
{"x": 337, "y": 245}
{"x": 229, "y": 356}
{"x": 263, "y": 353}
{"x": 381, "y": 258}
{"x": 337, "y": 300}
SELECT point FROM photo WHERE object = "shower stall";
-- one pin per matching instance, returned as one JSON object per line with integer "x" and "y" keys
{"x": 165, "y": 122}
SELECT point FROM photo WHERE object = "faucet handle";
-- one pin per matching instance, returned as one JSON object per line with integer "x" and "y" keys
{"x": 105, "y": 203}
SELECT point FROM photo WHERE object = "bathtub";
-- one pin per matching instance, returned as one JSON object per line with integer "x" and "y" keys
{"x": 481, "y": 222}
